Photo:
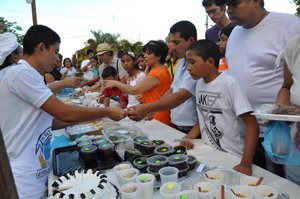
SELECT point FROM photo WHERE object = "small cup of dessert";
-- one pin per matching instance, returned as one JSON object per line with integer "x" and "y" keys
{"x": 99, "y": 141}
{"x": 249, "y": 181}
{"x": 204, "y": 189}
{"x": 180, "y": 149}
{"x": 88, "y": 153}
{"x": 168, "y": 174}
{"x": 147, "y": 182}
{"x": 139, "y": 139}
{"x": 146, "y": 147}
{"x": 140, "y": 163}
{"x": 132, "y": 154}
{"x": 106, "y": 149}
{"x": 82, "y": 139}
{"x": 129, "y": 175}
{"x": 192, "y": 162}
{"x": 241, "y": 191}
{"x": 157, "y": 162}
{"x": 179, "y": 161}
{"x": 187, "y": 194}
{"x": 156, "y": 174}
{"x": 84, "y": 143}
{"x": 217, "y": 195}
{"x": 214, "y": 176}
{"x": 169, "y": 190}
{"x": 131, "y": 190}
{"x": 158, "y": 142}
{"x": 265, "y": 192}
{"x": 165, "y": 150}
{"x": 184, "y": 171}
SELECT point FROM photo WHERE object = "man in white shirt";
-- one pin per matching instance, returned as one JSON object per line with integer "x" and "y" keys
{"x": 251, "y": 52}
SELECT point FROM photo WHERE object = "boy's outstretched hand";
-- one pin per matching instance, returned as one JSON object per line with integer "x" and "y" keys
{"x": 187, "y": 144}
{"x": 245, "y": 169}
{"x": 116, "y": 113}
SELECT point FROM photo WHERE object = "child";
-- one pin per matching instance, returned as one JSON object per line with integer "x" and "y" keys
{"x": 134, "y": 75}
{"x": 156, "y": 83}
{"x": 224, "y": 35}
{"x": 94, "y": 64}
{"x": 31, "y": 111}
{"x": 110, "y": 73}
{"x": 220, "y": 103}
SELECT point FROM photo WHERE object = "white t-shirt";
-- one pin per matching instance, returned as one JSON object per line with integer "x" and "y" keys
{"x": 71, "y": 73}
{"x": 219, "y": 103}
{"x": 26, "y": 128}
{"x": 117, "y": 64}
{"x": 251, "y": 55}
{"x": 185, "y": 114}
{"x": 88, "y": 74}
{"x": 132, "y": 99}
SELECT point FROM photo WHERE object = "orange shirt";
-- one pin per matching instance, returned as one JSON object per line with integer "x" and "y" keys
{"x": 157, "y": 92}
{"x": 223, "y": 65}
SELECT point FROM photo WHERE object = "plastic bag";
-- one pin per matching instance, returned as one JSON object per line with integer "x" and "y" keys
{"x": 278, "y": 144}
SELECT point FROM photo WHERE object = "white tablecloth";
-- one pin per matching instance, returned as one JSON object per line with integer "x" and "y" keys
{"x": 210, "y": 156}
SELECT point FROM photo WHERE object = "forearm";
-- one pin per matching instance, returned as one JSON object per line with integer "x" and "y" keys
{"x": 106, "y": 101}
{"x": 56, "y": 124}
{"x": 283, "y": 97}
{"x": 133, "y": 90}
{"x": 195, "y": 132}
{"x": 57, "y": 86}
{"x": 92, "y": 82}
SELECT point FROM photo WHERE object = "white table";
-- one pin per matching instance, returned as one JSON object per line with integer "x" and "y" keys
{"x": 210, "y": 156}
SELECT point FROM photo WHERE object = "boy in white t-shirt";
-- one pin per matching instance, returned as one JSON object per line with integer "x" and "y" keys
{"x": 28, "y": 107}
{"x": 221, "y": 105}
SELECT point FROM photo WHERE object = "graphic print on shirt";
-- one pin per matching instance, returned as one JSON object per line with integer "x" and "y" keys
{"x": 205, "y": 105}
{"x": 42, "y": 151}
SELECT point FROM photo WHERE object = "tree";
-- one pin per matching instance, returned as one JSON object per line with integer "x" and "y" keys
{"x": 7, "y": 26}
{"x": 297, "y": 2}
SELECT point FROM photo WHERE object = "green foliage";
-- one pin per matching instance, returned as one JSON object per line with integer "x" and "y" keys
{"x": 297, "y": 2}
{"x": 11, "y": 27}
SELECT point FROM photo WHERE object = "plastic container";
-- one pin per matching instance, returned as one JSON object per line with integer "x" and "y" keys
{"x": 241, "y": 191}
{"x": 204, "y": 189}
{"x": 168, "y": 174}
{"x": 128, "y": 175}
{"x": 146, "y": 181}
{"x": 106, "y": 149}
{"x": 158, "y": 142}
{"x": 140, "y": 163}
{"x": 156, "y": 174}
{"x": 180, "y": 149}
{"x": 183, "y": 172}
{"x": 100, "y": 141}
{"x": 179, "y": 161}
{"x": 165, "y": 150}
{"x": 265, "y": 192}
{"x": 217, "y": 195}
{"x": 132, "y": 154}
{"x": 139, "y": 139}
{"x": 88, "y": 153}
{"x": 84, "y": 143}
{"x": 170, "y": 190}
{"x": 187, "y": 194}
{"x": 146, "y": 147}
{"x": 157, "y": 162}
{"x": 250, "y": 181}
{"x": 131, "y": 190}
{"x": 192, "y": 162}
{"x": 214, "y": 176}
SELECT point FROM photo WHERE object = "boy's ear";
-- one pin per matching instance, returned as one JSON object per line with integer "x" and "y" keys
{"x": 40, "y": 47}
{"x": 210, "y": 62}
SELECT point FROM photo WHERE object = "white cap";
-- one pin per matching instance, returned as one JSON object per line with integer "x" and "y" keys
{"x": 8, "y": 43}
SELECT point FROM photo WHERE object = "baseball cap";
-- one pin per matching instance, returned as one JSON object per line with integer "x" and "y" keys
{"x": 103, "y": 48}
{"x": 8, "y": 43}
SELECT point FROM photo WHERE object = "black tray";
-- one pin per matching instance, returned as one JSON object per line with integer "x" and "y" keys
{"x": 67, "y": 159}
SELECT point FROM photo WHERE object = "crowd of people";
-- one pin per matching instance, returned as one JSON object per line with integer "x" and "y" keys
{"x": 205, "y": 88}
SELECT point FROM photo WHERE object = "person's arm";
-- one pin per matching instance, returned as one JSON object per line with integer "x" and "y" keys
{"x": 49, "y": 78}
{"x": 91, "y": 82}
{"x": 167, "y": 102}
{"x": 283, "y": 97}
{"x": 95, "y": 87}
{"x": 252, "y": 132}
{"x": 148, "y": 83}
{"x": 57, "y": 86}
{"x": 69, "y": 113}
{"x": 56, "y": 124}
{"x": 193, "y": 134}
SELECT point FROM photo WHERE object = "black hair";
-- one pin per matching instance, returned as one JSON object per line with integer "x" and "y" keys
{"x": 131, "y": 55}
{"x": 89, "y": 51}
{"x": 95, "y": 57}
{"x": 207, "y": 3}
{"x": 65, "y": 59}
{"x": 37, "y": 34}
{"x": 186, "y": 29}
{"x": 141, "y": 54}
{"x": 7, "y": 62}
{"x": 205, "y": 49}
{"x": 227, "y": 30}
{"x": 120, "y": 53}
{"x": 233, "y": 2}
{"x": 158, "y": 48}
{"x": 109, "y": 71}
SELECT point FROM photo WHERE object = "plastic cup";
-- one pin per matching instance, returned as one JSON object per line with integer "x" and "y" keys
{"x": 204, "y": 189}
{"x": 187, "y": 194}
{"x": 129, "y": 175}
{"x": 217, "y": 195}
{"x": 169, "y": 190}
{"x": 214, "y": 176}
{"x": 119, "y": 168}
{"x": 249, "y": 181}
{"x": 241, "y": 191}
{"x": 146, "y": 181}
{"x": 265, "y": 192}
{"x": 168, "y": 174}
{"x": 131, "y": 190}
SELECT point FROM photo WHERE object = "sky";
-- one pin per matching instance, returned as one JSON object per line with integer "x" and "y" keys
{"x": 134, "y": 20}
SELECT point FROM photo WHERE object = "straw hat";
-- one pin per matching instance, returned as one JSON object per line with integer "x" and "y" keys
{"x": 8, "y": 43}
{"x": 103, "y": 48}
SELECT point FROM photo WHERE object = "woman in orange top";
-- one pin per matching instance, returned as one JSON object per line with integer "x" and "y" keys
{"x": 156, "y": 83}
